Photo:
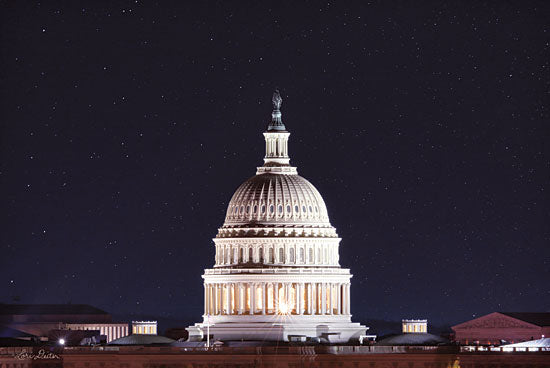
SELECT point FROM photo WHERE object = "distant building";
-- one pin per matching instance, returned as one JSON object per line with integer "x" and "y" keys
{"x": 415, "y": 325}
{"x": 498, "y": 327}
{"x": 144, "y": 327}
{"x": 415, "y": 332}
{"x": 40, "y": 319}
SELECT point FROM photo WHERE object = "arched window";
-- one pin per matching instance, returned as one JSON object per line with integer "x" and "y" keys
{"x": 302, "y": 255}
{"x": 310, "y": 255}
{"x": 235, "y": 255}
{"x": 271, "y": 209}
{"x": 316, "y": 209}
{"x": 247, "y": 209}
{"x": 280, "y": 209}
{"x": 250, "y": 254}
{"x": 228, "y": 255}
{"x": 310, "y": 209}
{"x": 291, "y": 258}
{"x": 296, "y": 209}
{"x": 270, "y": 255}
{"x": 241, "y": 255}
{"x": 281, "y": 255}
{"x": 326, "y": 255}
{"x": 263, "y": 208}
{"x": 261, "y": 254}
{"x": 242, "y": 209}
{"x": 318, "y": 255}
{"x": 288, "y": 208}
{"x": 255, "y": 208}
{"x": 303, "y": 208}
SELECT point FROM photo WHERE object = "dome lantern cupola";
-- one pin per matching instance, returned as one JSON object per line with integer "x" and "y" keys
{"x": 276, "y": 136}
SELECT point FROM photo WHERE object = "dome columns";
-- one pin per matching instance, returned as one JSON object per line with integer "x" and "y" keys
{"x": 277, "y": 298}
{"x": 276, "y": 148}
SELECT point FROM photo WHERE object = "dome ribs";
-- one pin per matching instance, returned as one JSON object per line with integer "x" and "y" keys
{"x": 277, "y": 190}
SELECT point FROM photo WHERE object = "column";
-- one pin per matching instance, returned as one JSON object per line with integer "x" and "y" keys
{"x": 323, "y": 298}
{"x": 228, "y": 298}
{"x": 264, "y": 297}
{"x": 252, "y": 298}
{"x": 215, "y": 295}
{"x": 348, "y": 293}
{"x": 345, "y": 299}
{"x": 339, "y": 296}
{"x": 309, "y": 298}
{"x": 302, "y": 298}
{"x": 287, "y": 296}
{"x": 205, "y": 299}
{"x": 276, "y": 297}
{"x": 331, "y": 298}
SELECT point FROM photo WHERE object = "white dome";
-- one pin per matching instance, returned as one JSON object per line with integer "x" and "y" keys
{"x": 276, "y": 200}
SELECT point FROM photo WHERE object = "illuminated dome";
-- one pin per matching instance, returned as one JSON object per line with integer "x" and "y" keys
{"x": 276, "y": 199}
{"x": 276, "y": 275}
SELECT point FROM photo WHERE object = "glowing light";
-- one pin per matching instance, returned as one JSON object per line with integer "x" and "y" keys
{"x": 61, "y": 341}
{"x": 283, "y": 308}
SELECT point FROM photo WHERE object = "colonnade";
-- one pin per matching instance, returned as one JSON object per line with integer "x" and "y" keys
{"x": 302, "y": 298}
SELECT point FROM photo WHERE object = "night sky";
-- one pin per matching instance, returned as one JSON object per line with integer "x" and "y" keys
{"x": 126, "y": 128}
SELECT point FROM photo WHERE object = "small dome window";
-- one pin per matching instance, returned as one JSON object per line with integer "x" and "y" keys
{"x": 247, "y": 209}
{"x": 296, "y": 209}
{"x": 263, "y": 208}
{"x": 316, "y": 209}
{"x": 271, "y": 209}
{"x": 280, "y": 209}
{"x": 242, "y": 209}
{"x": 288, "y": 208}
{"x": 256, "y": 209}
{"x": 310, "y": 209}
{"x": 304, "y": 209}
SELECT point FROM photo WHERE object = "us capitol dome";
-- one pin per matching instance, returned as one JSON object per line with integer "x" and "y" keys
{"x": 277, "y": 275}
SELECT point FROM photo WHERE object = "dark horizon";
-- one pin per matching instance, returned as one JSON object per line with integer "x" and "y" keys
{"x": 127, "y": 127}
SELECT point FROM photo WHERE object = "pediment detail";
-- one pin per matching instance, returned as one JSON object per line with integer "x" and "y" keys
{"x": 495, "y": 321}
